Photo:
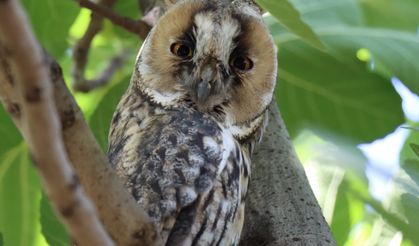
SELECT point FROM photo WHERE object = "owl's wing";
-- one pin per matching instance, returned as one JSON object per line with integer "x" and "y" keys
{"x": 186, "y": 174}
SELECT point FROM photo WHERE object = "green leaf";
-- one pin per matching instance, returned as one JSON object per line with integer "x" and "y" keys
{"x": 327, "y": 13}
{"x": 410, "y": 147}
{"x": 51, "y": 21}
{"x": 289, "y": 17}
{"x": 333, "y": 168}
{"x": 410, "y": 204}
{"x": 415, "y": 148}
{"x": 10, "y": 136}
{"x": 393, "y": 53}
{"x": 400, "y": 14}
{"x": 52, "y": 228}
{"x": 20, "y": 192}
{"x": 341, "y": 26}
{"x": 336, "y": 94}
{"x": 348, "y": 211}
{"x": 100, "y": 120}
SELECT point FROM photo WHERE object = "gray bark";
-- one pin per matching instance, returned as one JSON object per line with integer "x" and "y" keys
{"x": 281, "y": 208}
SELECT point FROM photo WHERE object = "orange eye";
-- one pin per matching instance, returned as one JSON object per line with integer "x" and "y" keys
{"x": 181, "y": 50}
{"x": 241, "y": 63}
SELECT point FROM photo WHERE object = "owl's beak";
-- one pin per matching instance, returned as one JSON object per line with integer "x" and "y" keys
{"x": 207, "y": 77}
{"x": 203, "y": 90}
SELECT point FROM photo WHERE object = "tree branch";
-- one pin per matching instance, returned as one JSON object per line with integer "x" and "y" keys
{"x": 42, "y": 129}
{"x": 281, "y": 208}
{"x": 138, "y": 27}
{"x": 81, "y": 50}
{"x": 122, "y": 217}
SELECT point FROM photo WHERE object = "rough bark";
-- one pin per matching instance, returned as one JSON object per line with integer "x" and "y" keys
{"x": 281, "y": 208}
{"x": 42, "y": 128}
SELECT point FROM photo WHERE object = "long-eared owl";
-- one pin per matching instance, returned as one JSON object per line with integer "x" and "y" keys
{"x": 182, "y": 136}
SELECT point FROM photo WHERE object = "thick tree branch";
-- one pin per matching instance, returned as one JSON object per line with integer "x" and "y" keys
{"x": 281, "y": 208}
{"x": 42, "y": 129}
{"x": 121, "y": 216}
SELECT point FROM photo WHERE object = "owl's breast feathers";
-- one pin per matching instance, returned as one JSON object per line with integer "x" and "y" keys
{"x": 187, "y": 171}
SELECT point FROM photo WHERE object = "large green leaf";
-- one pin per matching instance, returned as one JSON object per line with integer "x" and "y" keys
{"x": 52, "y": 229}
{"x": 20, "y": 192}
{"x": 289, "y": 17}
{"x": 394, "y": 14}
{"x": 344, "y": 25}
{"x": 394, "y": 53}
{"x": 323, "y": 91}
{"x": 322, "y": 13}
{"x": 100, "y": 120}
{"x": 51, "y": 21}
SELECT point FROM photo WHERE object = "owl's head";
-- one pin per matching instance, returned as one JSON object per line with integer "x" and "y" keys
{"x": 217, "y": 54}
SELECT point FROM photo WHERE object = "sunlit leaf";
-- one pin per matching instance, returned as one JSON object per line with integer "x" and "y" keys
{"x": 19, "y": 198}
{"x": 410, "y": 204}
{"x": 289, "y": 17}
{"x": 52, "y": 229}
{"x": 408, "y": 152}
{"x": 333, "y": 169}
{"x": 408, "y": 231}
{"x": 51, "y": 21}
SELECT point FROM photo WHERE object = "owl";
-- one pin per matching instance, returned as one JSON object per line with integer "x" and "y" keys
{"x": 182, "y": 135}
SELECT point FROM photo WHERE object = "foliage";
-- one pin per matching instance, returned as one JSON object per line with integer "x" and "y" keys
{"x": 336, "y": 59}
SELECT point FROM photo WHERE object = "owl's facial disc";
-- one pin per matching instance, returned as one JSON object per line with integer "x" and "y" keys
{"x": 219, "y": 56}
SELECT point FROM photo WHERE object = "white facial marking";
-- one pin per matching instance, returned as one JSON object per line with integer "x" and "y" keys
{"x": 228, "y": 149}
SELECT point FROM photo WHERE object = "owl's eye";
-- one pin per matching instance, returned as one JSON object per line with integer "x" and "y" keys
{"x": 241, "y": 63}
{"x": 181, "y": 50}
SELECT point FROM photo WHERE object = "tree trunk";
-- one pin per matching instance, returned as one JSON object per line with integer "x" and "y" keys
{"x": 281, "y": 208}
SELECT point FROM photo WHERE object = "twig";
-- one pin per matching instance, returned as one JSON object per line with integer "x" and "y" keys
{"x": 81, "y": 50}
{"x": 125, "y": 221}
{"x": 41, "y": 124}
{"x": 84, "y": 85}
{"x": 139, "y": 27}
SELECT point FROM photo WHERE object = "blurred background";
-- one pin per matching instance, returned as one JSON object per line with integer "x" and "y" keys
{"x": 348, "y": 86}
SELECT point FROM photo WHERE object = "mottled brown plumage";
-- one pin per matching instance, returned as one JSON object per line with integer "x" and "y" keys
{"x": 182, "y": 136}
